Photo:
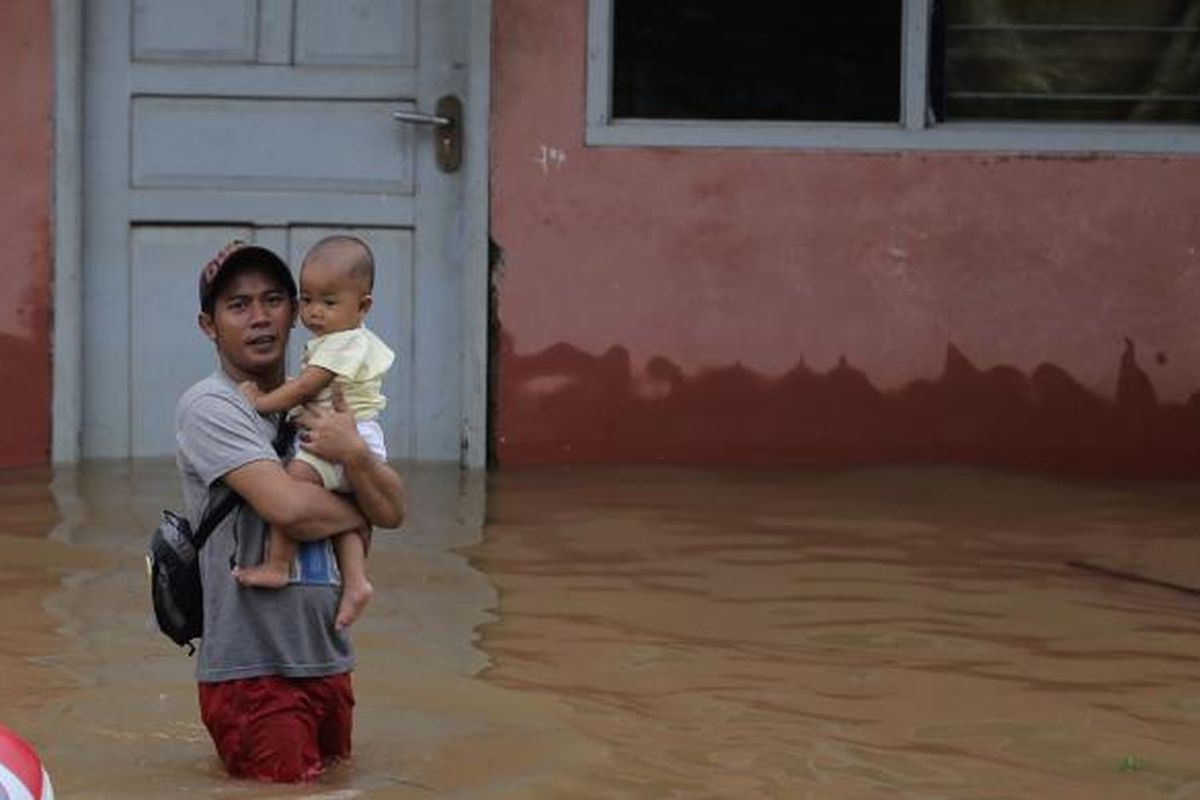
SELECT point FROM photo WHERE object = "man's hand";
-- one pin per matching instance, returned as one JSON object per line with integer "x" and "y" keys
{"x": 331, "y": 433}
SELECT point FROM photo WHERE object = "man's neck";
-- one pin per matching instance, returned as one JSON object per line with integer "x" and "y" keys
{"x": 265, "y": 382}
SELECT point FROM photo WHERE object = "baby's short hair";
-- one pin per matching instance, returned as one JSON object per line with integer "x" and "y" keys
{"x": 361, "y": 262}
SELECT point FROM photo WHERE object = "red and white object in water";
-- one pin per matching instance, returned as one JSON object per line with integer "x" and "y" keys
{"x": 22, "y": 776}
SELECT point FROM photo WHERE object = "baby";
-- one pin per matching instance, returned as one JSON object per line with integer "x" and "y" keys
{"x": 336, "y": 280}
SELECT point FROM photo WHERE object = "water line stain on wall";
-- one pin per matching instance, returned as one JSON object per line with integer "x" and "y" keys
{"x": 563, "y": 404}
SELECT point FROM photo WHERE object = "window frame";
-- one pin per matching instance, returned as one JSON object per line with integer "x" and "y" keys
{"x": 914, "y": 131}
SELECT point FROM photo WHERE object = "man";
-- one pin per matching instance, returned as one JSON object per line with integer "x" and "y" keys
{"x": 273, "y": 673}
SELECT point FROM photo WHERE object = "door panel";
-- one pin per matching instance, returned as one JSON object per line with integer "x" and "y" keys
{"x": 184, "y": 30}
{"x": 167, "y": 346}
{"x": 356, "y": 32}
{"x": 269, "y": 120}
{"x": 282, "y": 144}
{"x": 165, "y": 340}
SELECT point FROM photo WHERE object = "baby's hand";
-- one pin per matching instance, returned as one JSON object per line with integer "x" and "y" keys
{"x": 250, "y": 390}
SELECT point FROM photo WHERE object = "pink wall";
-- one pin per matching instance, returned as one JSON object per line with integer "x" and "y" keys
{"x": 26, "y": 142}
{"x": 774, "y": 306}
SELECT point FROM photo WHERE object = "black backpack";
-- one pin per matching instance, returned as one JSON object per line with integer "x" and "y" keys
{"x": 174, "y": 566}
{"x": 173, "y": 561}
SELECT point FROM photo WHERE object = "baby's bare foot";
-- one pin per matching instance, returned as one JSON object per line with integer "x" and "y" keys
{"x": 355, "y": 597}
{"x": 264, "y": 576}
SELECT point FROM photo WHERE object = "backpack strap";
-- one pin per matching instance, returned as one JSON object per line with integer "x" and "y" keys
{"x": 213, "y": 516}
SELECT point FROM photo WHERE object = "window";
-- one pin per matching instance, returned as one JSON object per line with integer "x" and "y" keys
{"x": 722, "y": 59}
{"x": 1081, "y": 61}
{"x": 1073, "y": 75}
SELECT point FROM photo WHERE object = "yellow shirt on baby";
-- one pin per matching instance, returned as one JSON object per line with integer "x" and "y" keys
{"x": 358, "y": 358}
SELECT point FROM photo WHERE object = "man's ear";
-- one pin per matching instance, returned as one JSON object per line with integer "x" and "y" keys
{"x": 205, "y": 321}
{"x": 364, "y": 303}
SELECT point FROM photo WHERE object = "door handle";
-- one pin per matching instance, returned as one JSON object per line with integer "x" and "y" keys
{"x": 419, "y": 117}
{"x": 447, "y": 130}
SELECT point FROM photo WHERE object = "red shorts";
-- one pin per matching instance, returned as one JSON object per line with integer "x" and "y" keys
{"x": 279, "y": 729}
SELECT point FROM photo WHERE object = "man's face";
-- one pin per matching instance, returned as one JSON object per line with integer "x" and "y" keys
{"x": 250, "y": 322}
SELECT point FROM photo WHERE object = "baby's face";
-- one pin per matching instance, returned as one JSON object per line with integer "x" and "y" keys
{"x": 332, "y": 298}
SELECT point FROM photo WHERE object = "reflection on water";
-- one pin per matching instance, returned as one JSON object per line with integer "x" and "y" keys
{"x": 652, "y": 633}
{"x": 866, "y": 633}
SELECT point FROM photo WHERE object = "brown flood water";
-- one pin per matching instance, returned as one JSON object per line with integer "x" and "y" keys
{"x": 660, "y": 633}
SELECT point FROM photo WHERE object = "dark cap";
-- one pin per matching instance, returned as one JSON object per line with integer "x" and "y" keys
{"x": 216, "y": 273}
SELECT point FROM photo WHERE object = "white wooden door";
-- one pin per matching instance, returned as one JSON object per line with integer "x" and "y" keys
{"x": 267, "y": 120}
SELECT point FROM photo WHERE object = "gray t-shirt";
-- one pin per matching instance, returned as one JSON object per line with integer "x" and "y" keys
{"x": 247, "y": 631}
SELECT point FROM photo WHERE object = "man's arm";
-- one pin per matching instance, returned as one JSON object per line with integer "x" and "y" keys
{"x": 332, "y": 435}
{"x": 378, "y": 489}
{"x": 304, "y": 511}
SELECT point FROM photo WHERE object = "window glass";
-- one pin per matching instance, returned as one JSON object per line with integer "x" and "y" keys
{"x": 757, "y": 60}
{"x": 1066, "y": 60}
